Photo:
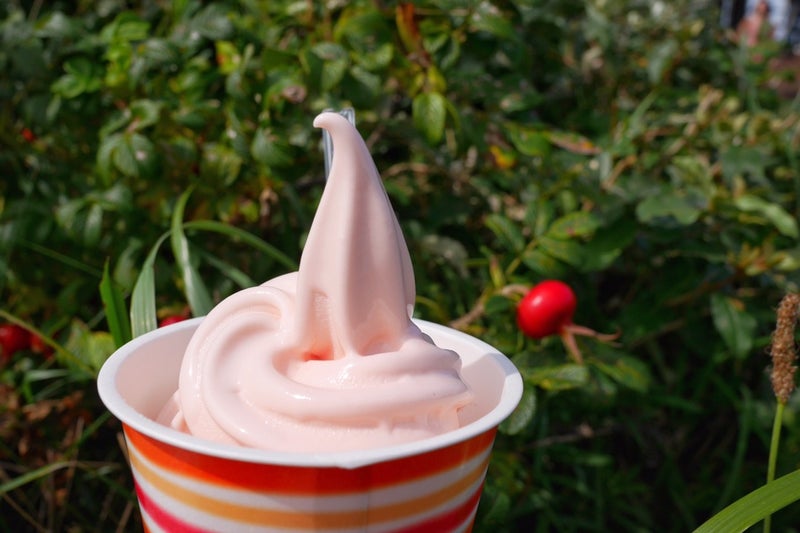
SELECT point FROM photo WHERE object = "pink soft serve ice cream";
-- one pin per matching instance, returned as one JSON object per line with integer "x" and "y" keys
{"x": 326, "y": 358}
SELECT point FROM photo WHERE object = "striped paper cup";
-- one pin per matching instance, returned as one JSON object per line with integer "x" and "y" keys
{"x": 188, "y": 484}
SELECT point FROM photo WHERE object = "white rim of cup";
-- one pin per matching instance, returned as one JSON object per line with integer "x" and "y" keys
{"x": 106, "y": 386}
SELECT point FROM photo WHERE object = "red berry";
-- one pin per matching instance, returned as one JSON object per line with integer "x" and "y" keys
{"x": 547, "y": 309}
{"x": 13, "y": 338}
{"x": 28, "y": 135}
{"x": 172, "y": 319}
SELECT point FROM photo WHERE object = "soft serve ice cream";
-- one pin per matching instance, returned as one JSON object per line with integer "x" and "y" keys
{"x": 326, "y": 358}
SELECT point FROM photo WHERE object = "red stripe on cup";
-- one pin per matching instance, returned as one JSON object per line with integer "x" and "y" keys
{"x": 306, "y": 480}
{"x": 164, "y": 519}
{"x": 449, "y": 520}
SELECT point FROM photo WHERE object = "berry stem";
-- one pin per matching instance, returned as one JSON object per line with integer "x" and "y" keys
{"x": 572, "y": 346}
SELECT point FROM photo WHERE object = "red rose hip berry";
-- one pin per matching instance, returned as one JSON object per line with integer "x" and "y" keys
{"x": 546, "y": 309}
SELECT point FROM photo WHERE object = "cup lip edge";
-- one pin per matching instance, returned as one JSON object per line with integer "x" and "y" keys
{"x": 128, "y": 416}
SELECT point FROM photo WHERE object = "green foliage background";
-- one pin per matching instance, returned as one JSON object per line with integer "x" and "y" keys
{"x": 628, "y": 147}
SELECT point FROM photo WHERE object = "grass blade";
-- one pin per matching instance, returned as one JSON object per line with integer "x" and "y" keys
{"x": 197, "y": 293}
{"x": 755, "y": 506}
{"x": 244, "y": 236}
{"x": 143, "y": 297}
{"x": 119, "y": 323}
{"x": 241, "y": 279}
{"x": 33, "y": 475}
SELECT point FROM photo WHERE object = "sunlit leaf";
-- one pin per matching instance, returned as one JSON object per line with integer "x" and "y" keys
{"x": 560, "y": 377}
{"x": 429, "y": 111}
{"x": 773, "y": 212}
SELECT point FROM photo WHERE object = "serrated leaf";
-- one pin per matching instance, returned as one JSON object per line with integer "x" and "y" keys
{"x": 429, "y": 112}
{"x": 522, "y": 416}
{"x": 735, "y": 325}
{"x": 557, "y": 378}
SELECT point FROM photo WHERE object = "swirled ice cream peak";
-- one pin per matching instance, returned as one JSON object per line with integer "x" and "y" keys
{"x": 326, "y": 358}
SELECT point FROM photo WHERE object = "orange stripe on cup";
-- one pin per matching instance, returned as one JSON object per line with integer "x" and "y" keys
{"x": 305, "y": 480}
{"x": 272, "y": 517}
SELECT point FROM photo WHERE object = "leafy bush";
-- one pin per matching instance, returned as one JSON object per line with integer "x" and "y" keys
{"x": 629, "y": 148}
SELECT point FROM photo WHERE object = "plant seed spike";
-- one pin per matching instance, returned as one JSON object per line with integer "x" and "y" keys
{"x": 327, "y": 145}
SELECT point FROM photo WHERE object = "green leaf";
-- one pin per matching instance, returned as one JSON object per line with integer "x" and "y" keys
{"x": 197, "y": 293}
{"x": 221, "y": 164}
{"x": 755, "y": 506}
{"x": 82, "y": 76}
{"x": 114, "y": 306}
{"x": 777, "y": 215}
{"x": 668, "y": 206}
{"x": 334, "y": 64}
{"x": 90, "y": 348}
{"x": 506, "y": 232}
{"x": 744, "y": 160}
{"x": 528, "y": 141}
{"x": 497, "y": 304}
{"x": 627, "y": 371}
{"x": 522, "y": 416}
{"x": 145, "y": 113}
{"x": 575, "y": 224}
{"x": 126, "y": 27}
{"x": 131, "y": 153}
{"x": 544, "y": 264}
{"x": 213, "y": 23}
{"x": 486, "y": 20}
{"x": 557, "y": 378}
{"x": 569, "y": 251}
{"x": 429, "y": 112}
{"x": 269, "y": 150}
{"x": 736, "y": 326}
{"x": 608, "y": 244}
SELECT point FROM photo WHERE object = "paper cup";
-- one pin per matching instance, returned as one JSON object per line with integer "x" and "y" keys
{"x": 184, "y": 483}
